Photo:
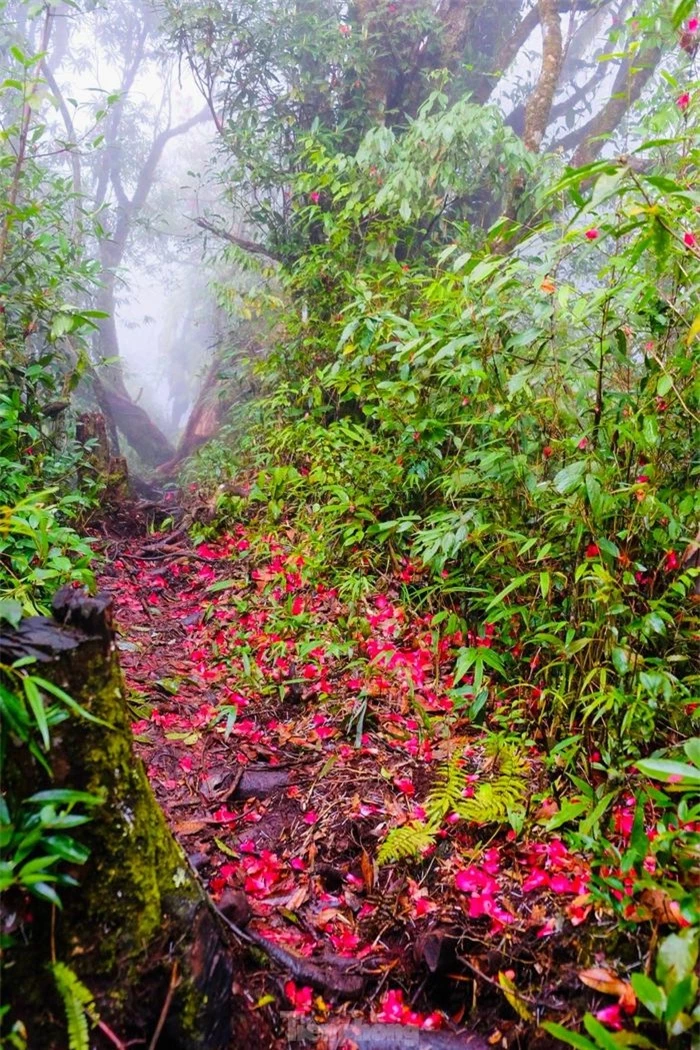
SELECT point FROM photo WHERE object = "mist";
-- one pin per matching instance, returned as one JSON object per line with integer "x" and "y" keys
{"x": 182, "y": 135}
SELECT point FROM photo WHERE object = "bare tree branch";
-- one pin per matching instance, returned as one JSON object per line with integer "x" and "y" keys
{"x": 628, "y": 86}
{"x": 240, "y": 242}
{"x": 69, "y": 126}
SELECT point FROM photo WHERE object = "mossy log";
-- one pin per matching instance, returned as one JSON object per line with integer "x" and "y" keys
{"x": 139, "y": 924}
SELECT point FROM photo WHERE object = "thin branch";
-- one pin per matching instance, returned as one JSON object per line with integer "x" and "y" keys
{"x": 67, "y": 123}
{"x": 174, "y": 981}
{"x": 240, "y": 242}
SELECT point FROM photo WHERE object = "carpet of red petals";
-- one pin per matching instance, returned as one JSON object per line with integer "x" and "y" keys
{"x": 239, "y": 661}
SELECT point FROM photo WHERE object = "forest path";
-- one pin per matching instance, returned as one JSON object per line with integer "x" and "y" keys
{"x": 284, "y": 733}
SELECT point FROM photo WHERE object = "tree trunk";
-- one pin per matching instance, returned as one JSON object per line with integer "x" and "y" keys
{"x": 139, "y": 930}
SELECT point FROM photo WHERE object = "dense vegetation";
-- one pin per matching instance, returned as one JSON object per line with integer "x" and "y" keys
{"x": 479, "y": 402}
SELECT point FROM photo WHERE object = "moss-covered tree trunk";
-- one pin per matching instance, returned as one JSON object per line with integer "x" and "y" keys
{"x": 139, "y": 930}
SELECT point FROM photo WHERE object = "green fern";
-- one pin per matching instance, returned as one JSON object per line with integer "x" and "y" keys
{"x": 77, "y": 1003}
{"x": 410, "y": 840}
{"x": 498, "y": 796}
{"x": 448, "y": 793}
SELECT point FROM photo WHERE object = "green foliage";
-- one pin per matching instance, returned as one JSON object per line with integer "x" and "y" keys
{"x": 408, "y": 841}
{"x": 78, "y": 1005}
{"x": 498, "y": 798}
{"x": 672, "y": 1000}
{"x": 35, "y": 836}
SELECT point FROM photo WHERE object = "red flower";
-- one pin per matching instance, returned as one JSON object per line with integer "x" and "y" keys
{"x": 593, "y": 234}
{"x": 610, "y": 1016}
{"x": 315, "y": 197}
{"x": 592, "y": 550}
{"x": 689, "y": 240}
{"x": 683, "y": 101}
{"x": 547, "y": 451}
{"x": 693, "y": 24}
{"x": 300, "y": 998}
{"x": 583, "y": 443}
{"x": 671, "y": 561}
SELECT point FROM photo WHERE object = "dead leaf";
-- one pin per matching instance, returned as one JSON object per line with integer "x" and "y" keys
{"x": 514, "y": 999}
{"x": 189, "y": 827}
{"x": 602, "y": 980}
{"x": 297, "y": 898}
{"x": 661, "y": 908}
{"x": 367, "y": 868}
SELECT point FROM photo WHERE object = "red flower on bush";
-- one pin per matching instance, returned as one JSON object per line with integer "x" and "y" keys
{"x": 689, "y": 240}
{"x": 683, "y": 101}
{"x": 592, "y": 550}
{"x": 592, "y": 235}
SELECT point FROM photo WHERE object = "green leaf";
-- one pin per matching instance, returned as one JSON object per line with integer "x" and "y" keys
{"x": 222, "y": 585}
{"x": 513, "y": 585}
{"x": 669, "y": 772}
{"x": 46, "y": 892}
{"x": 568, "y": 478}
{"x": 594, "y": 492}
{"x": 604, "y": 1039}
{"x": 681, "y": 997}
{"x": 608, "y": 547}
{"x": 587, "y": 826}
{"x": 10, "y": 611}
{"x": 570, "y": 1038}
{"x": 67, "y": 848}
{"x": 681, "y": 12}
{"x": 621, "y": 660}
{"x": 692, "y": 750}
{"x": 649, "y": 994}
{"x": 61, "y": 325}
{"x": 37, "y": 707}
{"x": 569, "y": 811}
{"x": 66, "y": 795}
{"x": 676, "y": 957}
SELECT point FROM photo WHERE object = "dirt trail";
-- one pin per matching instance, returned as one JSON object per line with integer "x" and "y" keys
{"x": 285, "y": 734}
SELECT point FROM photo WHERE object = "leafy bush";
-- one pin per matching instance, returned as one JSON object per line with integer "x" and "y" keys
{"x": 521, "y": 425}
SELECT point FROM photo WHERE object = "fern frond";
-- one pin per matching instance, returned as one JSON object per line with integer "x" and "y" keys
{"x": 506, "y": 757}
{"x": 77, "y": 1003}
{"x": 501, "y": 793}
{"x": 410, "y": 840}
{"x": 493, "y": 801}
{"x": 448, "y": 791}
